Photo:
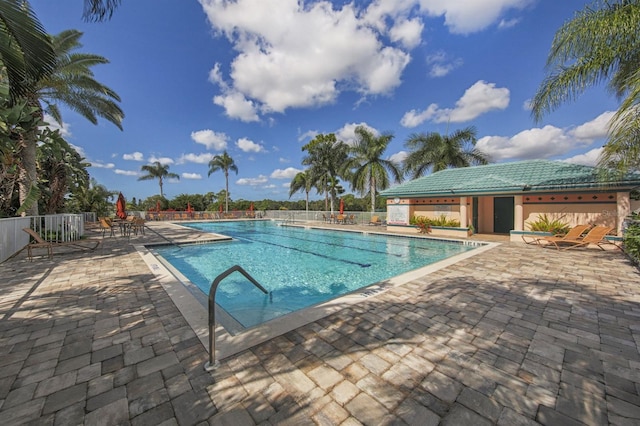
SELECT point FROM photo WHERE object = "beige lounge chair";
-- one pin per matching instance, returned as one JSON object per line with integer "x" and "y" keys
{"x": 573, "y": 234}
{"x": 39, "y": 242}
{"x": 597, "y": 235}
{"x": 107, "y": 225}
{"x": 375, "y": 220}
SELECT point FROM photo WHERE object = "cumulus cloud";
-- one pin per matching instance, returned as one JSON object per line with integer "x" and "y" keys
{"x": 309, "y": 134}
{"x": 134, "y": 156}
{"x": 595, "y": 129}
{"x": 247, "y": 145}
{"x": 161, "y": 160}
{"x": 288, "y": 173}
{"x": 407, "y": 33}
{"x": 260, "y": 180}
{"x": 478, "y": 99}
{"x": 546, "y": 142}
{"x": 589, "y": 158}
{"x": 212, "y": 140}
{"x": 399, "y": 157}
{"x": 465, "y": 17}
{"x": 347, "y": 133}
{"x": 195, "y": 176}
{"x": 126, "y": 172}
{"x": 236, "y": 105}
{"x": 203, "y": 158}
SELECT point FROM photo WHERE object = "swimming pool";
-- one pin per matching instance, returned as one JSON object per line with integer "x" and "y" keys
{"x": 300, "y": 267}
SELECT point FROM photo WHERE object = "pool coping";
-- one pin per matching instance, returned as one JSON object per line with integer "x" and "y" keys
{"x": 196, "y": 313}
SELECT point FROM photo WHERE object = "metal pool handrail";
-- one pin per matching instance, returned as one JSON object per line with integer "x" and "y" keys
{"x": 212, "y": 364}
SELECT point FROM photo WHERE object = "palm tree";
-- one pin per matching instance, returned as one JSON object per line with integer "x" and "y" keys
{"x": 71, "y": 83}
{"x": 301, "y": 182}
{"x": 327, "y": 158}
{"x": 99, "y": 10}
{"x": 369, "y": 169}
{"x": 157, "y": 170}
{"x": 25, "y": 48}
{"x": 599, "y": 44}
{"x": 225, "y": 163}
{"x": 435, "y": 152}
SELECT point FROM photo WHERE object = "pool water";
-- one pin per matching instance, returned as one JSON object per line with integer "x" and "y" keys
{"x": 300, "y": 267}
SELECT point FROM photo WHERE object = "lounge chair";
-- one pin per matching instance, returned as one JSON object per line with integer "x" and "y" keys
{"x": 573, "y": 234}
{"x": 39, "y": 242}
{"x": 597, "y": 235}
{"x": 107, "y": 225}
{"x": 375, "y": 220}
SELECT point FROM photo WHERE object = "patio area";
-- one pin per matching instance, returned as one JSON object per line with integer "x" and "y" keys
{"x": 517, "y": 335}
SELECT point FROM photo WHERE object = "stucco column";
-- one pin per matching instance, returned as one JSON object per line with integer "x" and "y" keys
{"x": 518, "y": 213}
{"x": 463, "y": 212}
{"x": 623, "y": 210}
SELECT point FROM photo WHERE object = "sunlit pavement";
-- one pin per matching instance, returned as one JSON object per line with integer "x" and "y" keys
{"x": 516, "y": 335}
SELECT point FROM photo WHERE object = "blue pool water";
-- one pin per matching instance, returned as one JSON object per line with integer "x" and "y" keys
{"x": 299, "y": 267}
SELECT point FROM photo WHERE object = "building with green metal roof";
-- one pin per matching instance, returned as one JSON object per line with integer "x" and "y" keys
{"x": 503, "y": 198}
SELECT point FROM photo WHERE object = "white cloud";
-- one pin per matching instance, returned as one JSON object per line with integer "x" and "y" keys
{"x": 126, "y": 172}
{"x": 100, "y": 165}
{"x": 212, "y": 140}
{"x": 508, "y": 23}
{"x": 236, "y": 105}
{"x": 546, "y": 142}
{"x": 298, "y": 57}
{"x": 441, "y": 64}
{"x": 195, "y": 176}
{"x": 288, "y": 173}
{"x": 526, "y": 105}
{"x": 407, "y": 33}
{"x": 399, "y": 157}
{"x": 134, "y": 156}
{"x": 309, "y": 134}
{"x": 347, "y": 133}
{"x": 79, "y": 150}
{"x": 283, "y": 160}
{"x": 595, "y": 129}
{"x": 247, "y": 145}
{"x": 203, "y": 158}
{"x": 261, "y": 179}
{"x": 161, "y": 160}
{"x": 478, "y": 99}
{"x": 464, "y": 16}
{"x": 589, "y": 158}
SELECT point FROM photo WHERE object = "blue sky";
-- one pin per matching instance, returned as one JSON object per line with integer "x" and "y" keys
{"x": 260, "y": 78}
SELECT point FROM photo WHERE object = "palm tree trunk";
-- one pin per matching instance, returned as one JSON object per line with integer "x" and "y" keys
{"x": 28, "y": 172}
{"x": 373, "y": 193}
{"x": 161, "y": 192}
{"x": 226, "y": 192}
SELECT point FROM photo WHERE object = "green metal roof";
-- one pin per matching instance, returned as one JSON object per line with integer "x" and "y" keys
{"x": 516, "y": 177}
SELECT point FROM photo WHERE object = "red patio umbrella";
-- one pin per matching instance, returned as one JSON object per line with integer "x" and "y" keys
{"x": 220, "y": 209}
{"x": 121, "y": 207}
{"x": 341, "y": 206}
{"x": 189, "y": 209}
{"x": 251, "y": 207}
{"x": 158, "y": 205}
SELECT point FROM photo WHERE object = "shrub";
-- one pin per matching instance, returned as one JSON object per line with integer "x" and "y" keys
{"x": 545, "y": 224}
{"x": 443, "y": 220}
{"x": 631, "y": 238}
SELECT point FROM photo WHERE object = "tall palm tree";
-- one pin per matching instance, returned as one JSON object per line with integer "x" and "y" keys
{"x": 99, "y": 10}
{"x": 157, "y": 170}
{"x": 600, "y": 44}
{"x": 327, "y": 160}
{"x": 72, "y": 84}
{"x": 225, "y": 163}
{"x": 370, "y": 171}
{"x": 435, "y": 152}
{"x": 301, "y": 182}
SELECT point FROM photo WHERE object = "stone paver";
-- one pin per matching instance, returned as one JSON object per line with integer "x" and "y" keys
{"x": 517, "y": 335}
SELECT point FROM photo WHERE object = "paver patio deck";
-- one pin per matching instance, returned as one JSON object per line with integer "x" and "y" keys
{"x": 517, "y": 335}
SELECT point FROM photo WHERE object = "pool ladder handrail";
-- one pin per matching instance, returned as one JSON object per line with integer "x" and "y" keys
{"x": 212, "y": 364}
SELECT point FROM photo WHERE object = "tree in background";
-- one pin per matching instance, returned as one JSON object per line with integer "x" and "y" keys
{"x": 301, "y": 182}
{"x": 92, "y": 198}
{"x": 370, "y": 172}
{"x": 435, "y": 152}
{"x": 326, "y": 158}
{"x": 157, "y": 170}
{"x": 599, "y": 44}
{"x": 225, "y": 163}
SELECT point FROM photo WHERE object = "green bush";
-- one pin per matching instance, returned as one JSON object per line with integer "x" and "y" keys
{"x": 545, "y": 224}
{"x": 631, "y": 238}
{"x": 443, "y": 220}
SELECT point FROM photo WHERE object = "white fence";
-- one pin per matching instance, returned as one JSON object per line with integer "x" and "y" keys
{"x": 55, "y": 228}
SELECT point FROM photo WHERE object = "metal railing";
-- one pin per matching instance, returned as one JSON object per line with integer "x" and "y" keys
{"x": 212, "y": 364}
